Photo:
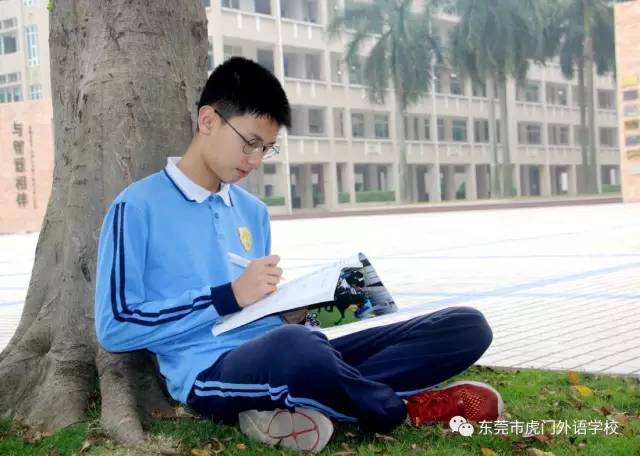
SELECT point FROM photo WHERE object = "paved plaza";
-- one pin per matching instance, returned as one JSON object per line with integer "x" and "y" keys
{"x": 560, "y": 286}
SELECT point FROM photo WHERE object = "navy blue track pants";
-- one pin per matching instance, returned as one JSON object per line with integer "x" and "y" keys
{"x": 360, "y": 377}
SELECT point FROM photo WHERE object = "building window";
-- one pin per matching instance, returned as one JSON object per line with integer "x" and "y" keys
{"x": 357, "y": 125}
{"x": 312, "y": 66}
{"x": 10, "y": 94}
{"x": 481, "y": 131}
{"x": 456, "y": 86}
{"x": 606, "y": 99}
{"x": 263, "y": 6}
{"x": 35, "y": 92}
{"x": 8, "y": 43}
{"x": 206, "y": 3}
{"x": 441, "y": 130}
{"x": 558, "y": 135}
{"x": 355, "y": 73}
{"x": 529, "y": 133}
{"x": 310, "y": 11}
{"x": 479, "y": 89}
{"x": 230, "y": 51}
{"x": 265, "y": 58}
{"x": 210, "y": 56}
{"x": 529, "y": 92}
{"x": 557, "y": 94}
{"x": 608, "y": 136}
{"x": 32, "y": 45}
{"x": 408, "y": 128}
{"x": 381, "y": 125}
{"x": 338, "y": 122}
{"x": 459, "y": 130}
{"x": 316, "y": 121}
{"x": 235, "y": 4}
{"x": 337, "y": 68}
{"x": 426, "y": 128}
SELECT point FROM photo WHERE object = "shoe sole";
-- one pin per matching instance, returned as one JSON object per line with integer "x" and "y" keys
{"x": 483, "y": 385}
{"x": 300, "y": 430}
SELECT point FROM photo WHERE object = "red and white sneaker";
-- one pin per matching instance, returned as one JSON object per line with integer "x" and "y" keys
{"x": 301, "y": 430}
{"x": 473, "y": 400}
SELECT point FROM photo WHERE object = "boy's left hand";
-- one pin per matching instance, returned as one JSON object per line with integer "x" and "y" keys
{"x": 294, "y": 316}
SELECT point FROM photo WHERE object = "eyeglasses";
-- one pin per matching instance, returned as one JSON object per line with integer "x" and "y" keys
{"x": 254, "y": 146}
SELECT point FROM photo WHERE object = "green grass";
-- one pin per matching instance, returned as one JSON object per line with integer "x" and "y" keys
{"x": 528, "y": 394}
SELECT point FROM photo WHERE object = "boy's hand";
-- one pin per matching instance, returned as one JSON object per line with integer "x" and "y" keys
{"x": 259, "y": 279}
{"x": 295, "y": 316}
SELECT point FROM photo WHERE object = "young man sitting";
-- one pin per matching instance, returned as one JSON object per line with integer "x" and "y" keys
{"x": 164, "y": 280}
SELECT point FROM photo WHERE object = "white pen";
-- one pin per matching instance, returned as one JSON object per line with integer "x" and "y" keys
{"x": 238, "y": 260}
{"x": 241, "y": 261}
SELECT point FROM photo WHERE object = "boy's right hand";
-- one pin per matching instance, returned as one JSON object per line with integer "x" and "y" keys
{"x": 259, "y": 279}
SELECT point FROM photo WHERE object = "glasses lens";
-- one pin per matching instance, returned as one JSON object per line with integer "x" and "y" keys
{"x": 273, "y": 150}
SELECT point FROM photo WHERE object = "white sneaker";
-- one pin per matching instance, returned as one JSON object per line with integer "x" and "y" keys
{"x": 300, "y": 430}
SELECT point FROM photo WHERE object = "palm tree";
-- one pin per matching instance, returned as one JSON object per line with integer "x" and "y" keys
{"x": 403, "y": 47}
{"x": 581, "y": 33}
{"x": 492, "y": 42}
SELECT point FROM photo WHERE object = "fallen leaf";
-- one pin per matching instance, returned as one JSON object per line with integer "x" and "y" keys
{"x": 216, "y": 446}
{"x": 573, "y": 377}
{"x": 416, "y": 449}
{"x": 241, "y": 447}
{"x": 345, "y": 447}
{"x": 31, "y": 436}
{"x": 582, "y": 445}
{"x": 170, "y": 453}
{"x": 519, "y": 445}
{"x": 85, "y": 446}
{"x": 604, "y": 410}
{"x": 199, "y": 452}
{"x": 343, "y": 453}
{"x": 583, "y": 390}
{"x": 545, "y": 438}
{"x": 349, "y": 434}
{"x": 487, "y": 452}
{"x": 52, "y": 452}
{"x": 537, "y": 452}
{"x": 388, "y": 438}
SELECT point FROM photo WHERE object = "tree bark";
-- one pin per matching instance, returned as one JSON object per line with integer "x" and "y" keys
{"x": 126, "y": 76}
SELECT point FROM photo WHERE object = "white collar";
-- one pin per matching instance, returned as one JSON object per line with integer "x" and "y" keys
{"x": 189, "y": 188}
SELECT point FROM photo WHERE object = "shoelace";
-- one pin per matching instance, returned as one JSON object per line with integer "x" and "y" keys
{"x": 293, "y": 433}
{"x": 434, "y": 402}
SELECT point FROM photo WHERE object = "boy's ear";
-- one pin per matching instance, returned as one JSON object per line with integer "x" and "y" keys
{"x": 207, "y": 118}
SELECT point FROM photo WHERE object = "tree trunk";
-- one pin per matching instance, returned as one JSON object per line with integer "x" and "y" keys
{"x": 591, "y": 106}
{"x": 583, "y": 128}
{"x": 403, "y": 167}
{"x": 493, "y": 142}
{"x": 507, "y": 172}
{"x": 126, "y": 76}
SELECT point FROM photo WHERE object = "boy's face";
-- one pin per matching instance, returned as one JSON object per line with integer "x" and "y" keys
{"x": 224, "y": 148}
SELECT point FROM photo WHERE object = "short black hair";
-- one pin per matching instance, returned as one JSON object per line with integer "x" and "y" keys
{"x": 241, "y": 86}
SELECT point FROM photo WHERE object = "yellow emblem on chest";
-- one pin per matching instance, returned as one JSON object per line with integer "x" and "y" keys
{"x": 245, "y": 237}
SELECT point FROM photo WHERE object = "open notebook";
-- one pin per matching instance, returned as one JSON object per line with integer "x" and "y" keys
{"x": 342, "y": 292}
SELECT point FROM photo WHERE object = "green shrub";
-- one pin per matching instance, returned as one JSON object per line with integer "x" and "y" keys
{"x": 375, "y": 196}
{"x": 273, "y": 200}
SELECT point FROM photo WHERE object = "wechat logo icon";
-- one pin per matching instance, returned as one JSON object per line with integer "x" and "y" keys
{"x": 459, "y": 424}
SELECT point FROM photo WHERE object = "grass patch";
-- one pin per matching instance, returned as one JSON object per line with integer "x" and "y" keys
{"x": 530, "y": 395}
